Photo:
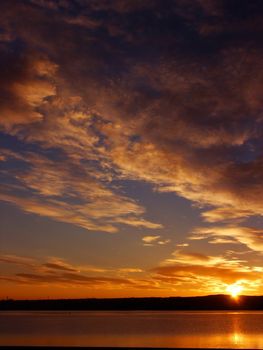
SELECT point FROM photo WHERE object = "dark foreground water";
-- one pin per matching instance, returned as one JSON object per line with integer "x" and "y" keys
{"x": 135, "y": 329}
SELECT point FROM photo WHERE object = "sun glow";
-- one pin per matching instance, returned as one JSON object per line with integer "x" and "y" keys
{"x": 234, "y": 290}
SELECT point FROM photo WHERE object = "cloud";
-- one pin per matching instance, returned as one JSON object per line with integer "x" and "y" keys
{"x": 198, "y": 273}
{"x": 69, "y": 278}
{"x": 190, "y": 271}
{"x": 57, "y": 211}
{"x": 152, "y": 240}
{"x": 172, "y": 98}
{"x": 192, "y": 256}
{"x": 57, "y": 272}
{"x": 59, "y": 266}
{"x": 130, "y": 270}
{"x": 138, "y": 223}
{"x": 224, "y": 274}
{"x": 198, "y": 279}
{"x": 222, "y": 241}
{"x": 17, "y": 260}
{"x": 187, "y": 257}
{"x": 163, "y": 242}
{"x": 211, "y": 272}
{"x": 225, "y": 214}
{"x": 249, "y": 236}
{"x": 68, "y": 192}
{"x": 212, "y": 122}
{"x": 25, "y": 86}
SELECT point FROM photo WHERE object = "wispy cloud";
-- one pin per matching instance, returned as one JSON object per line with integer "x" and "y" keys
{"x": 68, "y": 192}
{"x": 187, "y": 257}
{"x": 206, "y": 273}
{"x": 250, "y": 236}
{"x": 57, "y": 272}
{"x": 154, "y": 240}
{"x": 17, "y": 260}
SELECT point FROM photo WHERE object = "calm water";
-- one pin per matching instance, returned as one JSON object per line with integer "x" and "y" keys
{"x": 150, "y": 329}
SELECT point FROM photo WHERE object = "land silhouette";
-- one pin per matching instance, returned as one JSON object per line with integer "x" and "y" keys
{"x": 211, "y": 302}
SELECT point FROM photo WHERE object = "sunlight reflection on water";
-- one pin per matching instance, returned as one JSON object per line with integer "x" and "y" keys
{"x": 138, "y": 329}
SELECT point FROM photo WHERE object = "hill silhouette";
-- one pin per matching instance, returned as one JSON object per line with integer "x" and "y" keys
{"x": 211, "y": 302}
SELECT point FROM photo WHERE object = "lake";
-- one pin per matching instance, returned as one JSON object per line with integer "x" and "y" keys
{"x": 201, "y": 329}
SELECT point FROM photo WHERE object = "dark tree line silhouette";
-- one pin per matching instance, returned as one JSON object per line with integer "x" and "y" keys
{"x": 212, "y": 302}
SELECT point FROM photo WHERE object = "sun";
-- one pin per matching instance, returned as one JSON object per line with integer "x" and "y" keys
{"x": 234, "y": 290}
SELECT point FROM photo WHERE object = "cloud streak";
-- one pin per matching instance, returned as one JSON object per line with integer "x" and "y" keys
{"x": 69, "y": 192}
{"x": 250, "y": 236}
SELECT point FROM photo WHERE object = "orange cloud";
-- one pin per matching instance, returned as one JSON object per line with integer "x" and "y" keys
{"x": 190, "y": 131}
{"x": 57, "y": 273}
{"x": 69, "y": 192}
{"x": 249, "y": 236}
{"x": 186, "y": 257}
{"x": 225, "y": 214}
{"x": 25, "y": 85}
{"x": 17, "y": 260}
{"x": 154, "y": 240}
{"x": 222, "y": 274}
{"x": 203, "y": 275}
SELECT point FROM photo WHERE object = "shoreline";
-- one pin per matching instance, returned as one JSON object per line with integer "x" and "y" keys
{"x": 198, "y": 303}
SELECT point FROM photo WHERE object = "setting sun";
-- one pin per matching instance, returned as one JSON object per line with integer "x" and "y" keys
{"x": 234, "y": 290}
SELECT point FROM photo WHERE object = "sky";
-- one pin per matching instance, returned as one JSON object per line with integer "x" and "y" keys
{"x": 131, "y": 137}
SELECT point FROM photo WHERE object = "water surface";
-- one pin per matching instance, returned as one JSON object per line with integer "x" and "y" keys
{"x": 220, "y": 329}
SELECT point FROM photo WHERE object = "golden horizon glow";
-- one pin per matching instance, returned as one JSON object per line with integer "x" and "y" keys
{"x": 234, "y": 290}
